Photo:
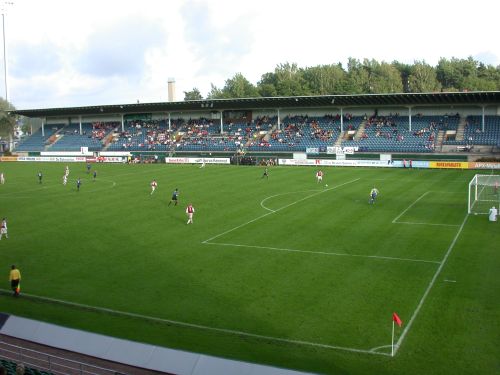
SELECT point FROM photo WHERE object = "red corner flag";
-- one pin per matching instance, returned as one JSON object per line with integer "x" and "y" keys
{"x": 397, "y": 319}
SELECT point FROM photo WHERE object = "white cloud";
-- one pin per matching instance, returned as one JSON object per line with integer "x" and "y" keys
{"x": 98, "y": 52}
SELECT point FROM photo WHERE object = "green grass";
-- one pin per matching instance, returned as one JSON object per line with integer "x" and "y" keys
{"x": 306, "y": 274}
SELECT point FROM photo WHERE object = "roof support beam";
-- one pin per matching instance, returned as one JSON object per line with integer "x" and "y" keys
{"x": 482, "y": 118}
{"x": 409, "y": 118}
{"x": 341, "y": 119}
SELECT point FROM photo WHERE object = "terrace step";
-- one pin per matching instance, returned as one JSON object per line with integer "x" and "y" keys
{"x": 461, "y": 129}
{"x": 338, "y": 142}
{"x": 360, "y": 131}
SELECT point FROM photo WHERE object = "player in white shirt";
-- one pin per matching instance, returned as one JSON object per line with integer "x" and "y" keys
{"x": 202, "y": 163}
{"x": 319, "y": 176}
{"x": 154, "y": 184}
{"x": 189, "y": 213}
{"x": 3, "y": 228}
{"x": 65, "y": 179}
{"x": 66, "y": 171}
{"x": 2, "y": 178}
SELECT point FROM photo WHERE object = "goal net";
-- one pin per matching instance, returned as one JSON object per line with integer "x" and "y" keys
{"x": 484, "y": 193}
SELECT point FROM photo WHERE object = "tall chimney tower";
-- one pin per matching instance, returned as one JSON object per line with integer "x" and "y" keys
{"x": 171, "y": 89}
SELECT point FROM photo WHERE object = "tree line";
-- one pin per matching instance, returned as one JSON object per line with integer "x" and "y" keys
{"x": 360, "y": 77}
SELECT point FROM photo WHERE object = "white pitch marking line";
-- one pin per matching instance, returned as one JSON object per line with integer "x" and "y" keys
{"x": 325, "y": 253}
{"x": 279, "y": 209}
{"x": 380, "y": 347}
{"x": 277, "y": 195}
{"x": 197, "y": 326}
{"x": 450, "y": 281}
{"x": 429, "y": 287}
{"x": 410, "y": 206}
{"x": 413, "y": 223}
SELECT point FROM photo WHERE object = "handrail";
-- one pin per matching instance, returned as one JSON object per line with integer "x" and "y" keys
{"x": 21, "y": 354}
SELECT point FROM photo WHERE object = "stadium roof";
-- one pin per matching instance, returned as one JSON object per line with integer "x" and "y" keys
{"x": 323, "y": 101}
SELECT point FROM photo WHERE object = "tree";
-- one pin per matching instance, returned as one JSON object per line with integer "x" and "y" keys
{"x": 423, "y": 78}
{"x": 7, "y": 121}
{"x": 384, "y": 78}
{"x": 325, "y": 79}
{"x": 236, "y": 87}
{"x": 239, "y": 87}
{"x": 358, "y": 77}
{"x": 404, "y": 72}
{"x": 215, "y": 92}
{"x": 194, "y": 94}
{"x": 290, "y": 80}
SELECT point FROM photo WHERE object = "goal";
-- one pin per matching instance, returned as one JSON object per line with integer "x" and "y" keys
{"x": 484, "y": 192}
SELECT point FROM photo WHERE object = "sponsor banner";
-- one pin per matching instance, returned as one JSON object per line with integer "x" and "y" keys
{"x": 449, "y": 164}
{"x": 312, "y": 150}
{"x": 484, "y": 165}
{"x": 61, "y": 159}
{"x": 8, "y": 158}
{"x": 335, "y": 163}
{"x": 414, "y": 164}
{"x": 341, "y": 150}
{"x": 197, "y": 160}
{"x": 111, "y": 159}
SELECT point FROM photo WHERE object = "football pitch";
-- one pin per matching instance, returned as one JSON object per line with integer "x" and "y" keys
{"x": 281, "y": 271}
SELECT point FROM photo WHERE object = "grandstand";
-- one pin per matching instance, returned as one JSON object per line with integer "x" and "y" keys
{"x": 304, "y": 123}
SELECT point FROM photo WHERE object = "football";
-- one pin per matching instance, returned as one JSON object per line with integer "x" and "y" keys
{"x": 326, "y": 185}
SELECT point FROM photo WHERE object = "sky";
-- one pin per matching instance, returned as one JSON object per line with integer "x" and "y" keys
{"x": 63, "y": 53}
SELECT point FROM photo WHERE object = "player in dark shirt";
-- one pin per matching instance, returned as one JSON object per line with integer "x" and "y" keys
{"x": 175, "y": 196}
{"x": 266, "y": 174}
{"x": 78, "y": 183}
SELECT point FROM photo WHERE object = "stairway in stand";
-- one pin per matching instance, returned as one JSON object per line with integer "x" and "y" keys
{"x": 338, "y": 142}
{"x": 439, "y": 140}
{"x": 461, "y": 129}
{"x": 360, "y": 131}
{"x": 54, "y": 138}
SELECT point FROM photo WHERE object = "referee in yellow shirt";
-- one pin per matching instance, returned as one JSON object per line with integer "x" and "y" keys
{"x": 15, "y": 279}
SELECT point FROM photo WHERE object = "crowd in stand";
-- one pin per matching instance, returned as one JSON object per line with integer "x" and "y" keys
{"x": 100, "y": 129}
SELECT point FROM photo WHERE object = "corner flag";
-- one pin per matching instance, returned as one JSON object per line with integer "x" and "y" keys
{"x": 397, "y": 319}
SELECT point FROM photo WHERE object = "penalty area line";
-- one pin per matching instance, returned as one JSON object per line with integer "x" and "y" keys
{"x": 190, "y": 325}
{"x": 324, "y": 253}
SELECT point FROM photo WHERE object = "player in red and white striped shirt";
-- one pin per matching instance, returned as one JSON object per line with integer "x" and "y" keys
{"x": 319, "y": 176}
{"x": 153, "y": 186}
{"x": 190, "y": 212}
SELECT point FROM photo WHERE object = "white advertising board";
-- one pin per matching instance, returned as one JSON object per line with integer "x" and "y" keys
{"x": 197, "y": 160}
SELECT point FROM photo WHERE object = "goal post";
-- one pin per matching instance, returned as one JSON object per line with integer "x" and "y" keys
{"x": 484, "y": 193}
